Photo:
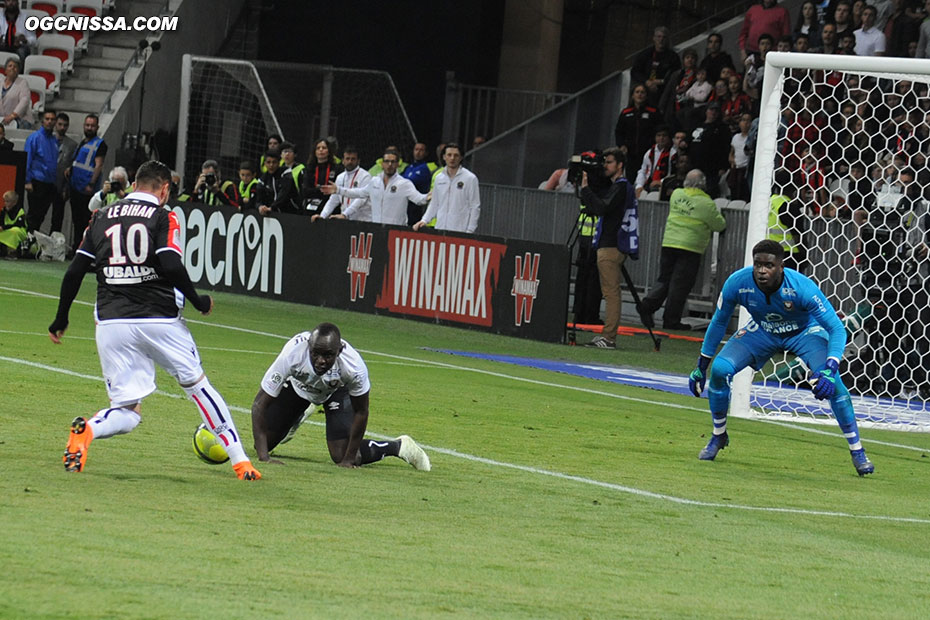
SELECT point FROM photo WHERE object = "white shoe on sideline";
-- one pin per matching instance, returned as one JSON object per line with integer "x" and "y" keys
{"x": 412, "y": 453}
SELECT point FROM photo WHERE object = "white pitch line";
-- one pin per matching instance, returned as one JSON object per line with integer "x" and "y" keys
{"x": 585, "y": 390}
{"x": 545, "y": 472}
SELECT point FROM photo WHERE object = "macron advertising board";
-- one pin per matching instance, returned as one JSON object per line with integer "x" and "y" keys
{"x": 506, "y": 286}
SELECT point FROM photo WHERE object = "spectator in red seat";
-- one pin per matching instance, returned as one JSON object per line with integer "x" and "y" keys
{"x": 765, "y": 18}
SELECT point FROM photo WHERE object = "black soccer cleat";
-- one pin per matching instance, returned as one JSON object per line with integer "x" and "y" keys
{"x": 861, "y": 462}
{"x": 715, "y": 445}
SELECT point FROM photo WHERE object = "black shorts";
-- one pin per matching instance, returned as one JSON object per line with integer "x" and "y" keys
{"x": 287, "y": 408}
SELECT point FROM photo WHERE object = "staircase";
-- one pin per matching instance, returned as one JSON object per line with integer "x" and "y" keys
{"x": 97, "y": 72}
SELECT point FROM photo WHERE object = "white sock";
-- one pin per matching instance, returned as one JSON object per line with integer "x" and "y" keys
{"x": 216, "y": 416}
{"x": 114, "y": 421}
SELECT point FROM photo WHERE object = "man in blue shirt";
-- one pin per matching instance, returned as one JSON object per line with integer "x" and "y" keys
{"x": 789, "y": 313}
{"x": 41, "y": 170}
{"x": 420, "y": 173}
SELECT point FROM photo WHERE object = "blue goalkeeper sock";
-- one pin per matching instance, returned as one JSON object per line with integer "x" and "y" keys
{"x": 845, "y": 416}
{"x": 718, "y": 393}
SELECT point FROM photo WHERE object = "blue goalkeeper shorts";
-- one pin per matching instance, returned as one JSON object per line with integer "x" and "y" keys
{"x": 750, "y": 346}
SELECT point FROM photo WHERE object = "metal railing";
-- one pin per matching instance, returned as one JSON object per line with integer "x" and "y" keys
{"x": 136, "y": 61}
{"x": 470, "y": 111}
{"x": 550, "y": 217}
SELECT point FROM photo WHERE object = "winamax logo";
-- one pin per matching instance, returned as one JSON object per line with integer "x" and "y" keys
{"x": 359, "y": 265}
{"x": 446, "y": 278}
{"x": 525, "y": 286}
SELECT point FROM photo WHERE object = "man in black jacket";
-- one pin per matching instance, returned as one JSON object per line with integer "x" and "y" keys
{"x": 615, "y": 239}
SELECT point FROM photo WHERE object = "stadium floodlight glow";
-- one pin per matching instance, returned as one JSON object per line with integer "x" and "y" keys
{"x": 840, "y": 108}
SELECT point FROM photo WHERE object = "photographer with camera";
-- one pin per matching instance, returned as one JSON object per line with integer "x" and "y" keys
{"x": 114, "y": 188}
{"x": 211, "y": 190}
{"x": 616, "y": 236}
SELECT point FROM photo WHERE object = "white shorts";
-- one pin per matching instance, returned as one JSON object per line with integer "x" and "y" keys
{"x": 129, "y": 351}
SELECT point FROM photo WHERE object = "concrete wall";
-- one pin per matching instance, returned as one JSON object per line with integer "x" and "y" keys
{"x": 203, "y": 25}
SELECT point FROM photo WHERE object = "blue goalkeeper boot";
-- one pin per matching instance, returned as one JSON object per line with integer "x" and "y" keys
{"x": 861, "y": 462}
{"x": 715, "y": 445}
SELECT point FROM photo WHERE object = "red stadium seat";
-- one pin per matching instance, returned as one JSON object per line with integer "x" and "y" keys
{"x": 46, "y": 67}
{"x": 60, "y": 46}
{"x": 52, "y": 7}
{"x": 91, "y": 8}
{"x": 36, "y": 92}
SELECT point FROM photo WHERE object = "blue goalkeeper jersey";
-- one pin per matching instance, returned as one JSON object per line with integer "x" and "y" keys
{"x": 797, "y": 305}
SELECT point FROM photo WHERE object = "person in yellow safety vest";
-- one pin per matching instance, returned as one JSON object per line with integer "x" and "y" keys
{"x": 786, "y": 223}
{"x": 249, "y": 186}
{"x": 12, "y": 224}
{"x": 587, "y": 301}
{"x": 114, "y": 188}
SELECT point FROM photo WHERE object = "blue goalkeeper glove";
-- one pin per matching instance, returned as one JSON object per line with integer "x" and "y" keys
{"x": 825, "y": 380}
{"x": 698, "y": 377}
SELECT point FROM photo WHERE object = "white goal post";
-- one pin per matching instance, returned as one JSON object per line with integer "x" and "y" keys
{"x": 825, "y": 121}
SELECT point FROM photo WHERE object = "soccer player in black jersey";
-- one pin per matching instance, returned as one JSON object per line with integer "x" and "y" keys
{"x": 133, "y": 246}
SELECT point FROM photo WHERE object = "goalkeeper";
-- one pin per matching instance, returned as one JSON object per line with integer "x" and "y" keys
{"x": 789, "y": 313}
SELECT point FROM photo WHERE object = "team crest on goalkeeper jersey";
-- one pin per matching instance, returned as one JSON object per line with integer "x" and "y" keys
{"x": 789, "y": 306}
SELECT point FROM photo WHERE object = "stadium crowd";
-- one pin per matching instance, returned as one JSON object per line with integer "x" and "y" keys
{"x": 712, "y": 102}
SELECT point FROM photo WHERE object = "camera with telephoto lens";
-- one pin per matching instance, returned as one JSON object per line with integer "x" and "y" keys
{"x": 209, "y": 179}
{"x": 591, "y": 162}
{"x": 115, "y": 186}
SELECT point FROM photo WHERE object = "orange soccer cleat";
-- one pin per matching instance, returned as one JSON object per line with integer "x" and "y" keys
{"x": 78, "y": 442}
{"x": 245, "y": 471}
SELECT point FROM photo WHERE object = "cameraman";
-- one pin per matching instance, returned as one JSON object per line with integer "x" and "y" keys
{"x": 615, "y": 238}
{"x": 211, "y": 190}
{"x": 115, "y": 188}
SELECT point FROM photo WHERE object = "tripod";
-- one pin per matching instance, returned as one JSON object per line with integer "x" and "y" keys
{"x": 572, "y": 330}
{"x": 636, "y": 302}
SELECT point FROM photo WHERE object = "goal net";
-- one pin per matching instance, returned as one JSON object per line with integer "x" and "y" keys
{"x": 229, "y": 108}
{"x": 843, "y": 139}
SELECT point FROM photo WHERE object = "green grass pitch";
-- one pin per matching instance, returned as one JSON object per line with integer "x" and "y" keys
{"x": 551, "y": 496}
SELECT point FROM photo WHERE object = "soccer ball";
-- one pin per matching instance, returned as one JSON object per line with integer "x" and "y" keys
{"x": 208, "y": 447}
